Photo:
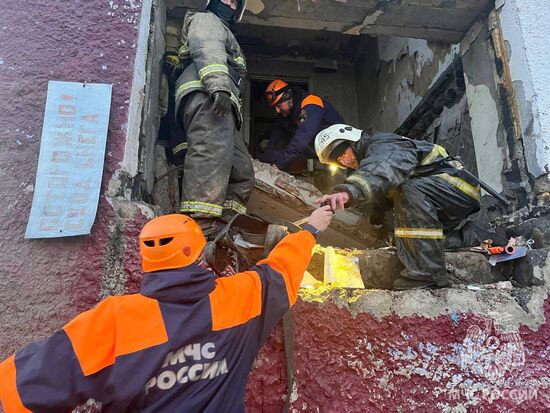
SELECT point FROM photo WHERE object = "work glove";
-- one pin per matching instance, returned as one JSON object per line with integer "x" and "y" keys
{"x": 222, "y": 103}
{"x": 172, "y": 66}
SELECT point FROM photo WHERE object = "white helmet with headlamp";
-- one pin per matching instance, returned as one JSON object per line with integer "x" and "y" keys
{"x": 331, "y": 142}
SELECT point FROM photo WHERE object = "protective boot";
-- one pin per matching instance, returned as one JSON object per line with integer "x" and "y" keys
{"x": 210, "y": 227}
{"x": 406, "y": 281}
{"x": 401, "y": 283}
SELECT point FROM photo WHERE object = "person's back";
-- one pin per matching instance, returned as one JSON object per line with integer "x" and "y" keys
{"x": 185, "y": 343}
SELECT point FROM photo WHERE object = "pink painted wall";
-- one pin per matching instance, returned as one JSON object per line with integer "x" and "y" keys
{"x": 344, "y": 364}
{"x": 364, "y": 364}
{"x": 43, "y": 283}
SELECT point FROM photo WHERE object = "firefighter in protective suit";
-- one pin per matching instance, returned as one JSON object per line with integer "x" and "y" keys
{"x": 186, "y": 343}
{"x": 430, "y": 199}
{"x": 218, "y": 173}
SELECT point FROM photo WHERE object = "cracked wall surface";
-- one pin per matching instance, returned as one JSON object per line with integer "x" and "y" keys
{"x": 44, "y": 283}
{"x": 431, "y": 351}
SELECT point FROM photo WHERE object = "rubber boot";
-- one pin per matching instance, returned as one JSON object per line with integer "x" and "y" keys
{"x": 402, "y": 283}
{"x": 210, "y": 227}
{"x": 407, "y": 282}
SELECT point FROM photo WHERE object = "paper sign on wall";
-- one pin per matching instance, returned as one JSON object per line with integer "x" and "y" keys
{"x": 70, "y": 165}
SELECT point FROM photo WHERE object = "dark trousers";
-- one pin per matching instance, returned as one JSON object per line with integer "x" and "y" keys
{"x": 218, "y": 173}
{"x": 426, "y": 210}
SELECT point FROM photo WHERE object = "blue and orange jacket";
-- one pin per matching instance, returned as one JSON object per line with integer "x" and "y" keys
{"x": 292, "y": 137}
{"x": 186, "y": 343}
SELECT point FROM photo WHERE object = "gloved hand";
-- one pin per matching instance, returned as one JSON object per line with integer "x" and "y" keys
{"x": 172, "y": 66}
{"x": 222, "y": 103}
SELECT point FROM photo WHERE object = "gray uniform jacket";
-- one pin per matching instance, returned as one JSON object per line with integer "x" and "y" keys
{"x": 217, "y": 61}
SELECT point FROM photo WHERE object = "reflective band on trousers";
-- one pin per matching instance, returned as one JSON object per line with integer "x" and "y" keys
{"x": 462, "y": 185}
{"x": 435, "y": 233}
{"x": 204, "y": 207}
{"x": 235, "y": 206}
{"x": 435, "y": 152}
{"x": 213, "y": 68}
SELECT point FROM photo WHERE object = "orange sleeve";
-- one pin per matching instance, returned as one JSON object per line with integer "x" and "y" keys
{"x": 117, "y": 326}
{"x": 290, "y": 258}
{"x": 9, "y": 396}
{"x": 312, "y": 100}
{"x": 235, "y": 300}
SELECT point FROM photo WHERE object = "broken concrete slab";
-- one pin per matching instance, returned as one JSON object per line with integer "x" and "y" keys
{"x": 380, "y": 267}
{"x": 474, "y": 268}
{"x": 536, "y": 228}
{"x": 278, "y": 195}
{"x": 531, "y": 269}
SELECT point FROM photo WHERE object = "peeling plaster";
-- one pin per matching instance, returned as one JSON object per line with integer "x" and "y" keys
{"x": 493, "y": 304}
{"x": 526, "y": 39}
{"x": 410, "y": 68}
{"x": 485, "y": 122}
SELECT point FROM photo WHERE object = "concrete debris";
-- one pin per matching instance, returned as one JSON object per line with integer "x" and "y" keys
{"x": 380, "y": 267}
{"x": 278, "y": 195}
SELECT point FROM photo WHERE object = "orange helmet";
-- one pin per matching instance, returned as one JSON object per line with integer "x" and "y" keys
{"x": 170, "y": 241}
{"x": 276, "y": 92}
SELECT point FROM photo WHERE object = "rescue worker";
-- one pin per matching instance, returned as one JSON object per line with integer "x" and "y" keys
{"x": 186, "y": 343}
{"x": 218, "y": 173}
{"x": 300, "y": 117}
{"x": 430, "y": 199}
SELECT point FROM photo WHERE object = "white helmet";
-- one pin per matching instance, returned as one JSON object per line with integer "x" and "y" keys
{"x": 328, "y": 139}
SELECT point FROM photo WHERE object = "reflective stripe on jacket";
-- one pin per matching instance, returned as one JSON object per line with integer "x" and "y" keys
{"x": 218, "y": 63}
{"x": 185, "y": 343}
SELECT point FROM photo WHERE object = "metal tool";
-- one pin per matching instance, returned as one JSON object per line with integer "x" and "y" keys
{"x": 484, "y": 185}
{"x": 436, "y": 166}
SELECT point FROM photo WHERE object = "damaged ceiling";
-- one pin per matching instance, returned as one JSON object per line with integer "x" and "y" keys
{"x": 438, "y": 20}
{"x": 331, "y": 29}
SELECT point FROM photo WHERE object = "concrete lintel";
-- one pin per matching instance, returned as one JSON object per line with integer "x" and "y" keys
{"x": 428, "y": 33}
